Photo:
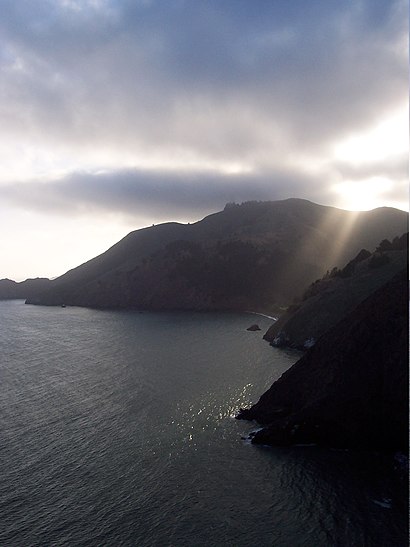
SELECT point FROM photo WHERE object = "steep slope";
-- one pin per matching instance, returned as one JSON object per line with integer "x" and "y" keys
{"x": 351, "y": 388}
{"x": 251, "y": 256}
{"x": 329, "y": 299}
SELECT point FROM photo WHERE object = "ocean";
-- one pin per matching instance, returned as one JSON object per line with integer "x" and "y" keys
{"x": 117, "y": 428}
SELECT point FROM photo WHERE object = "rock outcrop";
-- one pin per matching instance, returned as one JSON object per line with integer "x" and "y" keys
{"x": 351, "y": 388}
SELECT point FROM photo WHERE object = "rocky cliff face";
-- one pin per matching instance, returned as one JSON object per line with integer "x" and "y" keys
{"x": 329, "y": 299}
{"x": 351, "y": 388}
{"x": 254, "y": 256}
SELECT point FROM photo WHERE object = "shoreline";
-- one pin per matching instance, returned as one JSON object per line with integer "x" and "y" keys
{"x": 262, "y": 315}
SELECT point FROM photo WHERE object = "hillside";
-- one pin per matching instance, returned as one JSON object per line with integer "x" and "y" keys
{"x": 339, "y": 291}
{"x": 11, "y": 290}
{"x": 255, "y": 256}
{"x": 351, "y": 388}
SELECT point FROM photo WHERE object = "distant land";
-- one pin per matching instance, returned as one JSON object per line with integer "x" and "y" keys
{"x": 255, "y": 256}
{"x": 11, "y": 290}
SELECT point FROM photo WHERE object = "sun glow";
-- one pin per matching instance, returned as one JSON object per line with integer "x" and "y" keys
{"x": 387, "y": 139}
{"x": 371, "y": 164}
{"x": 363, "y": 195}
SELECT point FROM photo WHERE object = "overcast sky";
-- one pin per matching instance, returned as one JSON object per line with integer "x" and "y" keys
{"x": 116, "y": 114}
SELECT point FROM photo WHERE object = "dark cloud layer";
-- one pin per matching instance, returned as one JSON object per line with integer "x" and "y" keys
{"x": 165, "y": 196}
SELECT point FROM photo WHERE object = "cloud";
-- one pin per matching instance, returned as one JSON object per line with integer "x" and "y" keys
{"x": 208, "y": 81}
{"x": 147, "y": 193}
{"x": 395, "y": 168}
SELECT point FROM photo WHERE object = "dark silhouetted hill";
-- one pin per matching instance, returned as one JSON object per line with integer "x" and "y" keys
{"x": 329, "y": 299}
{"x": 351, "y": 388}
{"x": 256, "y": 256}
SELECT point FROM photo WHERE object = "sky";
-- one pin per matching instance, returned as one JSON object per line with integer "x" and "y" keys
{"x": 117, "y": 114}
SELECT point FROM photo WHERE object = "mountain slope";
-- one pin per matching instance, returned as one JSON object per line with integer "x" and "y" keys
{"x": 351, "y": 388}
{"x": 329, "y": 299}
{"x": 251, "y": 256}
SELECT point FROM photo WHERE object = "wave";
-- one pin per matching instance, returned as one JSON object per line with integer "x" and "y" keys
{"x": 263, "y": 315}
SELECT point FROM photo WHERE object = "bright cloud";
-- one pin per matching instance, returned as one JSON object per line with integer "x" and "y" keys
{"x": 387, "y": 139}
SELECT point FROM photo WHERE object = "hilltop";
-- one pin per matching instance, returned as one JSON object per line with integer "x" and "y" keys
{"x": 257, "y": 255}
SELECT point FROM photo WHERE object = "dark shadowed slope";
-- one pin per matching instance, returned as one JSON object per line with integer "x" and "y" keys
{"x": 252, "y": 256}
{"x": 351, "y": 388}
{"x": 10, "y": 290}
{"x": 329, "y": 299}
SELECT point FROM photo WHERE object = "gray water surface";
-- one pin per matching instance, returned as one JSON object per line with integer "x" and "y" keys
{"x": 116, "y": 428}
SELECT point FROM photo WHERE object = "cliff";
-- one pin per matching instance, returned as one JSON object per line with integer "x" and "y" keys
{"x": 255, "y": 256}
{"x": 351, "y": 388}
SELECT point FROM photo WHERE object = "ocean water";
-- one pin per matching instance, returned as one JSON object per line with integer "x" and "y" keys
{"x": 116, "y": 428}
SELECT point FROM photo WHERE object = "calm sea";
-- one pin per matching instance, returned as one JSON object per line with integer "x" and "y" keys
{"x": 116, "y": 429}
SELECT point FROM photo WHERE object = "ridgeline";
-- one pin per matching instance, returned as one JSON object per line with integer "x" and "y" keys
{"x": 258, "y": 256}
